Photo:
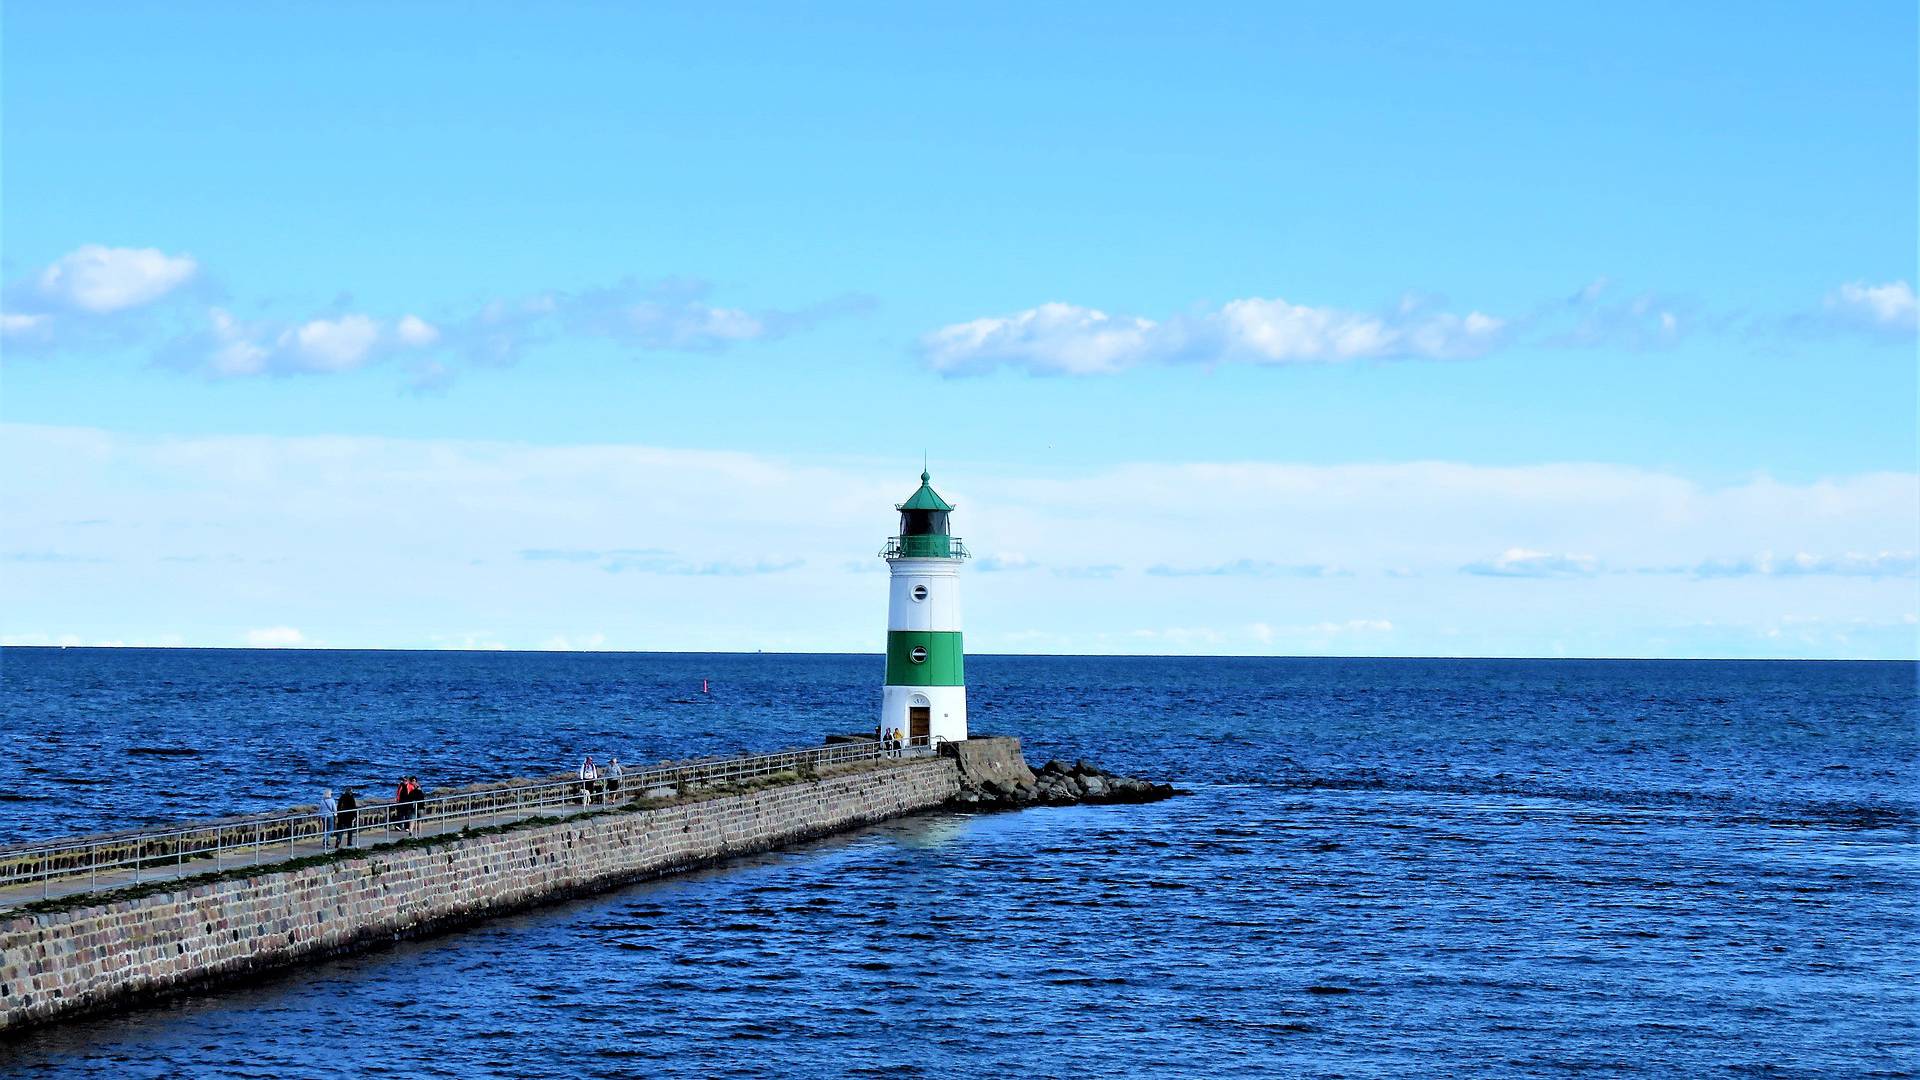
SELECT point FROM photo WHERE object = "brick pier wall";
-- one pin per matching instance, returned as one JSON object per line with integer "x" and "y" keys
{"x": 57, "y": 964}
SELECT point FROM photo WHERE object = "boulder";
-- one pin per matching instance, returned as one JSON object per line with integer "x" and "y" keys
{"x": 994, "y": 777}
{"x": 984, "y": 758}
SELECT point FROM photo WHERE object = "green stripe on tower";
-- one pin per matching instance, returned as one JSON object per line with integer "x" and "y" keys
{"x": 945, "y": 664}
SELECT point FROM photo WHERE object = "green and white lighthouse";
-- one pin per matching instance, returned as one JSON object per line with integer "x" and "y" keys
{"x": 925, "y": 697}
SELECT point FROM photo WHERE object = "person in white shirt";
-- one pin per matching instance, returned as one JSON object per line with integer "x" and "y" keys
{"x": 329, "y": 811}
{"x": 614, "y": 775}
{"x": 589, "y": 778}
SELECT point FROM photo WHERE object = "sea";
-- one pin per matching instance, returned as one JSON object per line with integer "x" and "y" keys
{"x": 1382, "y": 868}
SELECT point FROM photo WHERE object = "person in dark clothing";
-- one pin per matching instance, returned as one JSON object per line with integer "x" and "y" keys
{"x": 415, "y": 798}
{"x": 345, "y": 812}
{"x": 399, "y": 816}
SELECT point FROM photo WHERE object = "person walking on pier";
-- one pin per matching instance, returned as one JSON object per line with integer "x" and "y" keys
{"x": 416, "y": 798}
{"x": 329, "y": 812}
{"x": 397, "y": 812}
{"x": 346, "y": 813}
{"x": 615, "y": 774}
{"x": 589, "y": 778}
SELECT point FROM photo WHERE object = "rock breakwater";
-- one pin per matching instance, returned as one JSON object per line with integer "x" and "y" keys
{"x": 1059, "y": 784}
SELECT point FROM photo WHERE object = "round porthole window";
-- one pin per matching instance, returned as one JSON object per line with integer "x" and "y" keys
{"x": 919, "y": 593}
{"x": 919, "y": 654}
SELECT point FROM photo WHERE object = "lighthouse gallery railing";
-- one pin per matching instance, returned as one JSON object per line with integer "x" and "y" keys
{"x": 925, "y": 547}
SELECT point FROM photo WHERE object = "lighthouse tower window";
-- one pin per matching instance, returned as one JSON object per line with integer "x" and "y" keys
{"x": 919, "y": 593}
{"x": 919, "y": 654}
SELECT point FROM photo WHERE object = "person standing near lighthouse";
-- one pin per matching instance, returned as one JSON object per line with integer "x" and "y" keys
{"x": 925, "y": 696}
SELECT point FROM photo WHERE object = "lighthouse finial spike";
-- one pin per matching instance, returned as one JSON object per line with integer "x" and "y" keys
{"x": 923, "y": 466}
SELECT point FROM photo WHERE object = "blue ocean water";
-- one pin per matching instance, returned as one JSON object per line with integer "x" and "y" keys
{"x": 1386, "y": 868}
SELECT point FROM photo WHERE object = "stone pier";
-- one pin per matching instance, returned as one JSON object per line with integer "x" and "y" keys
{"x": 98, "y": 952}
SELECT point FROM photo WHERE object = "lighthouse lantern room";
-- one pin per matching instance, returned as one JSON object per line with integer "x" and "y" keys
{"x": 925, "y": 697}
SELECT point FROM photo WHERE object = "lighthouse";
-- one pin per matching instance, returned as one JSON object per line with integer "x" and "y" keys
{"x": 925, "y": 696}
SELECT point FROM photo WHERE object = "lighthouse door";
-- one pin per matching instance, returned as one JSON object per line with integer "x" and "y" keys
{"x": 919, "y": 722}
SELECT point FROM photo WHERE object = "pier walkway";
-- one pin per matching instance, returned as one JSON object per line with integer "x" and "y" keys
{"x": 58, "y": 869}
{"x": 298, "y": 846}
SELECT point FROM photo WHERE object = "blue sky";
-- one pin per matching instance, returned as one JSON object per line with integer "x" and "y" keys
{"x": 1390, "y": 329}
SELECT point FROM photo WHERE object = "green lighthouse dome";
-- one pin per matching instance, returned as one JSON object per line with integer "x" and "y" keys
{"x": 924, "y": 531}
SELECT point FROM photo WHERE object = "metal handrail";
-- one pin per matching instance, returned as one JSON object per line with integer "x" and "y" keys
{"x": 925, "y": 547}
{"x": 250, "y": 841}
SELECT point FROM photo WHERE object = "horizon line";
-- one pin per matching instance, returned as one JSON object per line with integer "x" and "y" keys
{"x": 879, "y": 654}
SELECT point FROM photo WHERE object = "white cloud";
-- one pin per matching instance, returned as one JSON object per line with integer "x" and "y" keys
{"x": 1522, "y": 562}
{"x": 430, "y": 377}
{"x": 668, "y": 316}
{"x": 1276, "y": 331}
{"x": 1065, "y": 339}
{"x": 76, "y": 641}
{"x": 1888, "y": 307}
{"x": 230, "y": 352}
{"x": 1353, "y": 626}
{"x": 1646, "y": 320}
{"x": 656, "y": 561}
{"x": 1057, "y": 338}
{"x": 672, "y": 315}
{"x": 1848, "y": 564}
{"x": 468, "y": 640}
{"x": 416, "y": 332}
{"x": 1053, "y": 337}
{"x": 64, "y": 641}
{"x": 231, "y": 347}
{"x": 1248, "y": 568}
{"x": 1004, "y": 561}
{"x": 1181, "y": 637}
{"x": 99, "y": 280}
{"x": 93, "y": 297}
{"x": 332, "y": 344}
{"x": 14, "y": 323}
{"x": 370, "y": 541}
{"x": 691, "y": 325}
{"x": 275, "y": 637}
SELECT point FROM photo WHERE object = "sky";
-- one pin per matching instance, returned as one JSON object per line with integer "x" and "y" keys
{"x": 1369, "y": 329}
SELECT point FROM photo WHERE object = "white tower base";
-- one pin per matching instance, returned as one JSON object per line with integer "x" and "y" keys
{"x": 946, "y": 707}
